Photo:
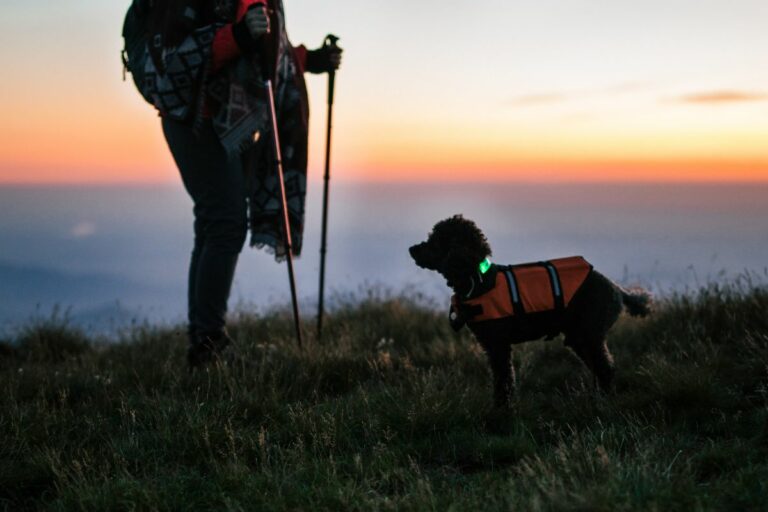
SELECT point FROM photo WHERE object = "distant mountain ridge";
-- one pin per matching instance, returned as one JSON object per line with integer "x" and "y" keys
{"x": 95, "y": 301}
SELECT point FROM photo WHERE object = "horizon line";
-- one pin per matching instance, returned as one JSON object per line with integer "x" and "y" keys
{"x": 385, "y": 182}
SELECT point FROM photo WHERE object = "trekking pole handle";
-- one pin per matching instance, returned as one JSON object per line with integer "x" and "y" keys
{"x": 330, "y": 42}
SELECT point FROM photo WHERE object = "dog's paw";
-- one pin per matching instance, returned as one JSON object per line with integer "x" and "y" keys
{"x": 456, "y": 320}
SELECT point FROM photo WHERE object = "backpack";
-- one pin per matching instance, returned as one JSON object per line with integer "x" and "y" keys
{"x": 172, "y": 81}
{"x": 135, "y": 45}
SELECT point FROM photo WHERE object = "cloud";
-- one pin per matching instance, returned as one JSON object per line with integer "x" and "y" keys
{"x": 550, "y": 97}
{"x": 723, "y": 96}
{"x": 83, "y": 230}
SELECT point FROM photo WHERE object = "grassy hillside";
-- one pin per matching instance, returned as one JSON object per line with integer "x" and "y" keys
{"x": 392, "y": 412}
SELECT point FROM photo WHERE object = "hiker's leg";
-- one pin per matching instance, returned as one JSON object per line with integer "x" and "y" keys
{"x": 192, "y": 283}
{"x": 216, "y": 185}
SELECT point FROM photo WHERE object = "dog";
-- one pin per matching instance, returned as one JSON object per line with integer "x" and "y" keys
{"x": 506, "y": 305}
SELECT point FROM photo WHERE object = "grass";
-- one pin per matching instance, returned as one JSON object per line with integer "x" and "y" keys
{"x": 391, "y": 412}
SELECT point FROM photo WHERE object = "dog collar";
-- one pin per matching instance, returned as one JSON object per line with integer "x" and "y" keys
{"x": 482, "y": 269}
{"x": 484, "y": 266}
{"x": 472, "y": 288}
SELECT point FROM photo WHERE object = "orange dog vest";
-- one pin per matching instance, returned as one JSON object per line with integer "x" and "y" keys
{"x": 528, "y": 288}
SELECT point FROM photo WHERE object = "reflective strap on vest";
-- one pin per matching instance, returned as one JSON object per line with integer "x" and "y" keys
{"x": 554, "y": 279}
{"x": 514, "y": 293}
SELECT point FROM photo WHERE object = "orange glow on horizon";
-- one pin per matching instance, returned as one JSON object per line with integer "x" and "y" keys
{"x": 84, "y": 143}
{"x": 458, "y": 172}
{"x": 599, "y": 171}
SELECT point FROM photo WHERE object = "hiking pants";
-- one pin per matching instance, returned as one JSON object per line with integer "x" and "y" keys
{"x": 217, "y": 187}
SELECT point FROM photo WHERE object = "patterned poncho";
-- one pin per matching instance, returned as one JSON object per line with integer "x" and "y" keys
{"x": 236, "y": 96}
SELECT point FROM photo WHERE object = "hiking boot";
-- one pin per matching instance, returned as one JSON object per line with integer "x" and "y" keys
{"x": 204, "y": 349}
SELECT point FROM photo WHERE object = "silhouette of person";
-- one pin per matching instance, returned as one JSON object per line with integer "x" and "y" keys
{"x": 217, "y": 52}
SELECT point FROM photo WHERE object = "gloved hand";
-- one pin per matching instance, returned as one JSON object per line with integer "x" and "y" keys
{"x": 253, "y": 25}
{"x": 257, "y": 21}
{"x": 324, "y": 59}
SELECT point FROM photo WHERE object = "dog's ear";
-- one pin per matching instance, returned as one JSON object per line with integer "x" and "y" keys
{"x": 471, "y": 237}
{"x": 458, "y": 231}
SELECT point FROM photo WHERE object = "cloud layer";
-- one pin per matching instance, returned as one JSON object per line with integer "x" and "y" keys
{"x": 722, "y": 96}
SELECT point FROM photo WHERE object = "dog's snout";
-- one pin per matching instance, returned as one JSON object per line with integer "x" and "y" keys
{"x": 420, "y": 254}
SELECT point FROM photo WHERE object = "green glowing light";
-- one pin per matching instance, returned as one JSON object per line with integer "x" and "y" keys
{"x": 485, "y": 265}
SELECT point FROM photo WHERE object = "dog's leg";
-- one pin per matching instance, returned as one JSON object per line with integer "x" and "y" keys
{"x": 597, "y": 357}
{"x": 500, "y": 358}
{"x": 604, "y": 367}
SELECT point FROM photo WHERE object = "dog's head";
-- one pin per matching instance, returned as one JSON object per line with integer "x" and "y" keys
{"x": 454, "y": 248}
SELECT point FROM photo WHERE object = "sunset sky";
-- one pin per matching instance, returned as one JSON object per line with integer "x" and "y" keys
{"x": 551, "y": 90}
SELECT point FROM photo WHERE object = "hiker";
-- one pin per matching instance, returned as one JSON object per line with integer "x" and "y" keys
{"x": 211, "y": 57}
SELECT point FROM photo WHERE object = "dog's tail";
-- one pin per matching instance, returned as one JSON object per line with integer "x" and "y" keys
{"x": 637, "y": 301}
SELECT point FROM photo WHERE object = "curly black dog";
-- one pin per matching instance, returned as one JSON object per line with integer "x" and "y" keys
{"x": 456, "y": 247}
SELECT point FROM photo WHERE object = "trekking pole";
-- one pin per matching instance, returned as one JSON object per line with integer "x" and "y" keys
{"x": 284, "y": 203}
{"x": 330, "y": 41}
